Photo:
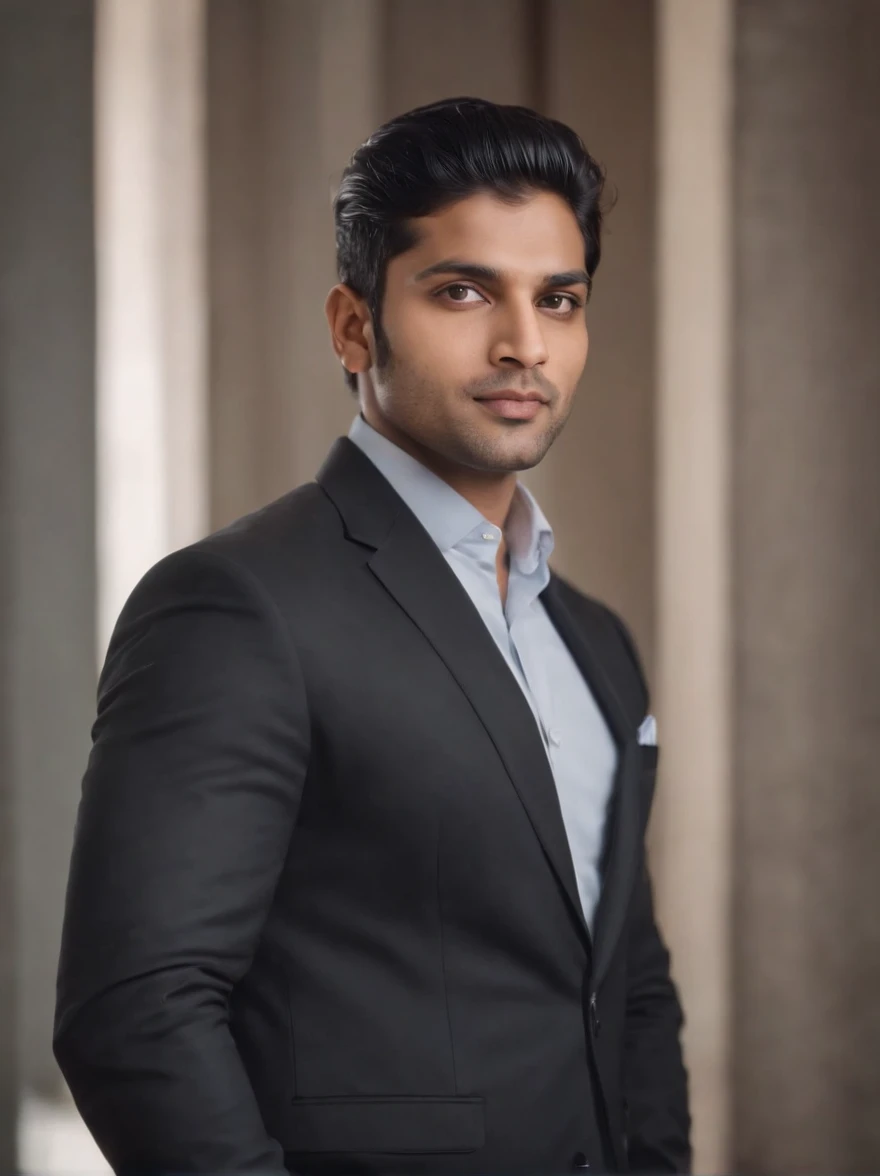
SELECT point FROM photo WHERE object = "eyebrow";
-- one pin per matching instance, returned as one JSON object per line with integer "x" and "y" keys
{"x": 486, "y": 273}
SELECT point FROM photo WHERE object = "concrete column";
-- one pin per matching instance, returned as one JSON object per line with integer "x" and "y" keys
{"x": 152, "y": 296}
{"x": 691, "y": 825}
{"x": 769, "y": 559}
{"x": 47, "y": 530}
{"x": 806, "y": 525}
{"x": 8, "y": 987}
{"x": 293, "y": 89}
{"x": 478, "y": 48}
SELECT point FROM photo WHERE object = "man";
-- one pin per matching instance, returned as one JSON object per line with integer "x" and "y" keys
{"x": 358, "y": 883}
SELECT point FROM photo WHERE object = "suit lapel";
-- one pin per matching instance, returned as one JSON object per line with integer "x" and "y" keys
{"x": 622, "y": 830}
{"x": 410, "y": 567}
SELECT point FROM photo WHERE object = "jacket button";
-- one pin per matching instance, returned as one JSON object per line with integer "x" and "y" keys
{"x": 579, "y": 1162}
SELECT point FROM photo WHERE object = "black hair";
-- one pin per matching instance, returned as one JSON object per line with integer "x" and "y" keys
{"x": 431, "y": 157}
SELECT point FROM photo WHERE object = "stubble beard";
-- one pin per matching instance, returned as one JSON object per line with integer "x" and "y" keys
{"x": 510, "y": 454}
{"x": 466, "y": 444}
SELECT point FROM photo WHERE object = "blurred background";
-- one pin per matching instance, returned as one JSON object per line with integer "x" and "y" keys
{"x": 166, "y": 170}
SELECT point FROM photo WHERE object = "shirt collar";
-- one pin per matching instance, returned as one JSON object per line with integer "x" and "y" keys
{"x": 446, "y": 516}
{"x": 529, "y": 535}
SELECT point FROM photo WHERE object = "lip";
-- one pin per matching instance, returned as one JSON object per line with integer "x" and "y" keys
{"x": 513, "y": 394}
{"x": 512, "y": 405}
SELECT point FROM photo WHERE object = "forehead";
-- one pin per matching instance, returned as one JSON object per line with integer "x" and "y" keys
{"x": 537, "y": 235}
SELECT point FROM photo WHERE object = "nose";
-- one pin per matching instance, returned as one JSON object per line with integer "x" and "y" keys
{"x": 519, "y": 342}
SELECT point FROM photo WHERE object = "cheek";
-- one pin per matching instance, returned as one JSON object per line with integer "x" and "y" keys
{"x": 568, "y": 352}
{"x": 437, "y": 342}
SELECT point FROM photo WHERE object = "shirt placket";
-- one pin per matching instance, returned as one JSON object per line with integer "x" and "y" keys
{"x": 519, "y": 618}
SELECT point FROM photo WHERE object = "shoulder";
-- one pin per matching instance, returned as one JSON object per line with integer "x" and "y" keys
{"x": 279, "y": 541}
{"x": 301, "y": 520}
{"x": 254, "y": 562}
{"x": 611, "y": 641}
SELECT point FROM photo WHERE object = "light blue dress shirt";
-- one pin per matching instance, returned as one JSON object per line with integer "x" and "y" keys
{"x": 582, "y": 753}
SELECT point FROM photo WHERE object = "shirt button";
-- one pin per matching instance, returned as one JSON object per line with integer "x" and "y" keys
{"x": 579, "y": 1162}
{"x": 555, "y": 737}
{"x": 488, "y": 535}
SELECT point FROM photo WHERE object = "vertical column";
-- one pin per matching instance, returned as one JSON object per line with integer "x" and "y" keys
{"x": 9, "y": 1069}
{"x": 692, "y": 858}
{"x": 806, "y": 518}
{"x": 151, "y": 394}
{"x": 477, "y": 48}
{"x": 47, "y": 534}
{"x": 236, "y": 255}
{"x": 293, "y": 89}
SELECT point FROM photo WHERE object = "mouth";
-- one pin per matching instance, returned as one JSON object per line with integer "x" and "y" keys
{"x": 511, "y": 405}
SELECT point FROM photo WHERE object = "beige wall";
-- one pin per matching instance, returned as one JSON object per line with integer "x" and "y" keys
{"x": 768, "y": 547}
{"x": 479, "y": 48}
{"x": 806, "y": 528}
{"x": 292, "y": 89}
{"x": 691, "y": 823}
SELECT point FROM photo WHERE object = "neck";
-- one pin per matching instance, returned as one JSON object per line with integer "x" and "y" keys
{"x": 491, "y": 493}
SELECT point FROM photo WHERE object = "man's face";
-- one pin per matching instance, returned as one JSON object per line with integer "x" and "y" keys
{"x": 485, "y": 322}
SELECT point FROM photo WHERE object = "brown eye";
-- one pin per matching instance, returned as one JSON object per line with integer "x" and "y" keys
{"x": 461, "y": 293}
{"x": 560, "y": 302}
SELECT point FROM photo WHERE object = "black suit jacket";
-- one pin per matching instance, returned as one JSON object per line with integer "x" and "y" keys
{"x": 322, "y": 913}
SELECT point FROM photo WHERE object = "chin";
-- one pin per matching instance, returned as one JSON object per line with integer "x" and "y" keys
{"x": 517, "y": 464}
{"x": 509, "y": 460}
{"x": 523, "y": 452}
{"x": 502, "y": 450}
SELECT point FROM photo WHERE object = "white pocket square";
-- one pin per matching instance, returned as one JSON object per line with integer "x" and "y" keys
{"x": 648, "y": 732}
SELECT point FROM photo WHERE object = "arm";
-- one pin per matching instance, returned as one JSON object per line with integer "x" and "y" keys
{"x": 188, "y": 806}
{"x": 654, "y": 1077}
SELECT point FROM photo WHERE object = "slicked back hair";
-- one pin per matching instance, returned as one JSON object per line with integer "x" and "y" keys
{"x": 434, "y": 156}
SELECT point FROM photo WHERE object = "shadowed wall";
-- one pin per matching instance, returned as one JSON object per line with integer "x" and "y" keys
{"x": 807, "y": 568}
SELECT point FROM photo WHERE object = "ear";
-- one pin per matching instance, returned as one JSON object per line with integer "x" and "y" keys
{"x": 351, "y": 328}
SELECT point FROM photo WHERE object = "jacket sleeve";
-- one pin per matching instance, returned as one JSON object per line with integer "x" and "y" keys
{"x": 188, "y": 805}
{"x": 655, "y": 1085}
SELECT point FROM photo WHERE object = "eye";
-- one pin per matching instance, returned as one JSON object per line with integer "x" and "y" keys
{"x": 458, "y": 292}
{"x": 567, "y": 303}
